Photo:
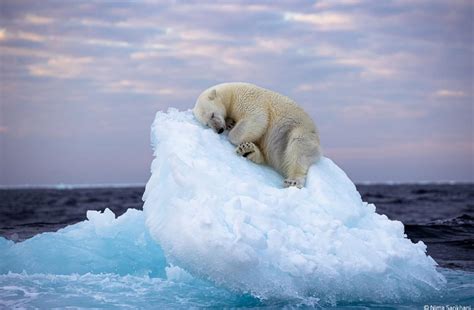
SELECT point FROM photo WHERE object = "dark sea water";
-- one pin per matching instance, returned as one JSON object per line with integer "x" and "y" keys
{"x": 441, "y": 215}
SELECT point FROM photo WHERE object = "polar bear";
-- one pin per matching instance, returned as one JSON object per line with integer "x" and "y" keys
{"x": 267, "y": 128}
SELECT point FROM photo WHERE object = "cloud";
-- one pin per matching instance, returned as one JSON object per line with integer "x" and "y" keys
{"x": 3, "y": 34}
{"x": 139, "y": 87}
{"x": 3, "y": 129}
{"x": 312, "y": 87}
{"x": 234, "y": 7}
{"x": 381, "y": 110}
{"x": 403, "y": 150}
{"x": 191, "y": 48}
{"x": 376, "y": 66}
{"x": 61, "y": 67}
{"x": 272, "y": 45}
{"x": 447, "y": 93}
{"x": 197, "y": 35}
{"x": 326, "y": 21}
{"x": 29, "y": 36}
{"x": 372, "y": 64}
{"x": 37, "y": 19}
{"x": 26, "y": 52}
{"x": 327, "y": 4}
{"x": 108, "y": 43}
{"x": 148, "y": 54}
{"x": 39, "y": 38}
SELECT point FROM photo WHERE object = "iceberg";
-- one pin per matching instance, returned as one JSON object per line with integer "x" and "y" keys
{"x": 225, "y": 219}
{"x": 217, "y": 230}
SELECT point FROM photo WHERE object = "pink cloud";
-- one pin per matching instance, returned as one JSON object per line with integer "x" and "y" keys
{"x": 61, "y": 67}
{"x": 448, "y": 93}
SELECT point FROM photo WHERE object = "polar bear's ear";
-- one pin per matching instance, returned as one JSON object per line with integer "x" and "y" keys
{"x": 212, "y": 95}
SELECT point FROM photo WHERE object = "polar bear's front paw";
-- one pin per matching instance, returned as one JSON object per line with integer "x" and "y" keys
{"x": 293, "y": 182}
{"x": 245, "y": 149}
{"x": 229, "y": 123}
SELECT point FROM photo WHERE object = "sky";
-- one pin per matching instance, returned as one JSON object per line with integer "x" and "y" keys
{"x": 388, "y": 83}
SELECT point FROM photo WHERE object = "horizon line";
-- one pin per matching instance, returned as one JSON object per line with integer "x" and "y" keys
{"x": 64, "y": 186}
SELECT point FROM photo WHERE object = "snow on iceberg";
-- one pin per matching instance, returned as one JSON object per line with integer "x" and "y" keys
{"x": 226, "y": 219}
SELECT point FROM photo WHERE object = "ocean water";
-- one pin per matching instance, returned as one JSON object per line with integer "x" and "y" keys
{"x": 124, "y": 272}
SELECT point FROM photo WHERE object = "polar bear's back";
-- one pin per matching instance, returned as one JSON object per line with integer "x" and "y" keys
{"x": 250, "y": 97}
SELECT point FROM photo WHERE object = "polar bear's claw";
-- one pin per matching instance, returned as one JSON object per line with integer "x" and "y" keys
{"x": 292, "y": 182}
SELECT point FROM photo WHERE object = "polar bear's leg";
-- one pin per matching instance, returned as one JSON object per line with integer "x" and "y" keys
{"x": 251, "y": 151}
{"x": 301, "y": 152}
{"x": 249, "y": 129}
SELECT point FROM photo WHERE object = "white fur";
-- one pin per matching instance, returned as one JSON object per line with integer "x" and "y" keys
{"x": 269, "y": 127}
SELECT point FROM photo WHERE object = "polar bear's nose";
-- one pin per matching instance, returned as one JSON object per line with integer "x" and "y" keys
{"x": 220, "y": 130}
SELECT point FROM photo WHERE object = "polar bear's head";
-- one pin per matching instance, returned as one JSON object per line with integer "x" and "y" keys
{"x": 210, "y": 111}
